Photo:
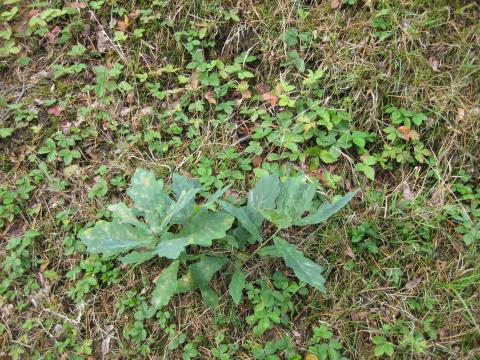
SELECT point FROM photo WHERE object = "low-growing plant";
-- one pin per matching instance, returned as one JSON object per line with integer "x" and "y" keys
{"x": 157, "y": 225}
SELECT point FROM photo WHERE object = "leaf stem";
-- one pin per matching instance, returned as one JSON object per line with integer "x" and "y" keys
{"x": 262, "y": 245}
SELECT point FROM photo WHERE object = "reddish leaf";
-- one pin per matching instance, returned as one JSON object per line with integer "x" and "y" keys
{"x": 77, "y": 5}
{"x": 262, "y": 88}
{"x": 257, "y": 161}
{"x": 335, "y": 4}
{"x": 56, "y": 110}
{"x": 123, "y": 25}
{"x": 53, "y": 34}
{"x": 405, "y": 130}
{"x": 271, "y": 98}
{"x": 32, "y": 13}
{"x": 210, "y": 97}
{"x": 134, "y": 14}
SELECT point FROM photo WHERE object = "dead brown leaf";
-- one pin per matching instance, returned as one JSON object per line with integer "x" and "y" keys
{"x": 32, "y": 13}
{"x": 243, "y": 88}
{"x": 102, "y": 41}
{"x": 461, "y": 113}
{"x": 210, "y": 97}
{"x": 122, "y": 25}
{"x": 194, "y": 79}
{"x": 334, "y": 4}
{"x": 77, "y": 5}
{"x": 412, "y": 284}
{"x": 270, "y": 98}
{"x": 53, "y": 34}
{"x": 405, "y": 130}
{"x": 134, "y": 14}
{"x": 408, "y": 193}
{"x": 433, "y": 64}
{"x": 55, "y": 110}
{"x": 262, "y": 88}
{"x": 257, "y": 161}
{"x": 349, "y": 252}
{"x": 361, "y": 315}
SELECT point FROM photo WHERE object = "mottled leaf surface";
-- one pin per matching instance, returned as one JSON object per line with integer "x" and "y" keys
{"x": 237, "y": 284}
{"x": 113, "y": 238}
{"x": 165, "y": 286}
{"x": 149, "y": 198}
{"x": 305, "y": 269}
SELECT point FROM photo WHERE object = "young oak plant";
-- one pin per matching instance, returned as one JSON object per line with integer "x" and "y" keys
{"x": 165, "y": 225}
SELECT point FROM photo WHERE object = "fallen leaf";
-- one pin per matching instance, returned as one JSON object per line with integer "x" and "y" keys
{"x": 134, "y": 14}
{"x": 56, "y": 110}
{"x": 71, "y": 170}
{"x": 53, "y": 34}
{"x": 122, "y": 25}
{"x": 32, "y": 13}
{"x": 102, "y": 41}
{"x": 146, "y": 111}
{"x": 105, "y": 348}
{"x": 270, "y": 98}
{"x": 433, "y": 64}
{"x": 262, "y": 88}
{"x": 361, "y": 315}
{"x": 77, "y": 5}
{"x": 349, "y": 252}
{"x": 257, "y": 161}
{"x": 194, "y": 79}
{"x": 405, "y": 130}
{"x": 7, "y": 311}
{"x": 335, "y": 4}
{"x": 407, "y": 193}
{"x": 125, "y": 111}
{"x": 413, "y": 283}
{"x": 43, "y": 267}
{"x": 244, "y": 91}
{"x": 210, "y": 97}
{"x": 461, "y": 112}
{"x": 414, "y": 135}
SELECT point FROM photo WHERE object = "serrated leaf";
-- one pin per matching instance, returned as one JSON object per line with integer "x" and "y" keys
{"x": 237, "y": 284}
{"x": 305, "y": 269}
{"x": 166, "y": 285}
{"x": 113, "y": 238}
{"x": 149, "y": 198}
{"x": 136, "y": 257}
{"x": 326, "y": 210}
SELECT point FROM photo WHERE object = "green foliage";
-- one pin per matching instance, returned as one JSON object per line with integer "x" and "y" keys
{"x": 382, "y": 346}
{"x": 271, "y": 304}
{"x": 324, "y": 345}
{"x": 170, "y": 226}
{"x": 12, "y": 200}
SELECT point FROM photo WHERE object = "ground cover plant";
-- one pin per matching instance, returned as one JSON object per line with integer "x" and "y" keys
{"x": 239, "y": 180}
